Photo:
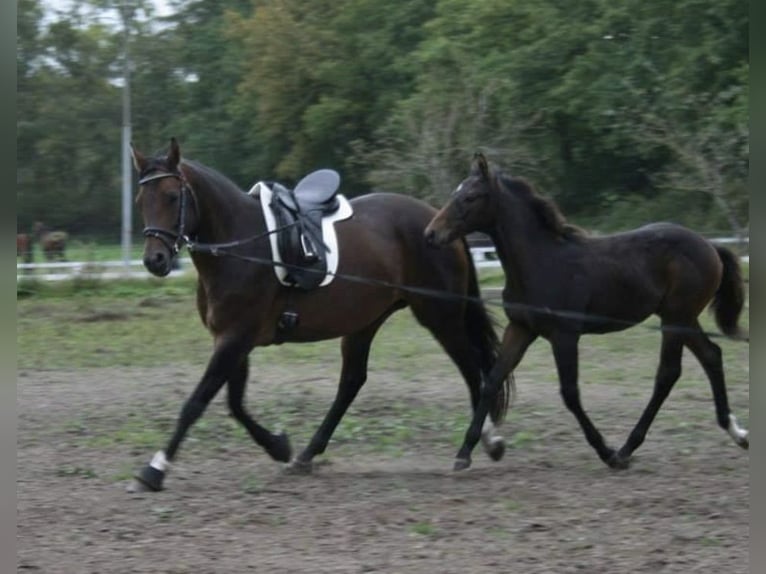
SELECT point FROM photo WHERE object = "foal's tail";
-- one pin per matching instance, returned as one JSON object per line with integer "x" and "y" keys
{"x": 481, "y": 332}
{"x": 730, "y": 298}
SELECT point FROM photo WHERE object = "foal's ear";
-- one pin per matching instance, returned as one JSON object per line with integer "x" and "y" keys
{"x": 174, "y": 155}
{"x": 139, "y": 161}
{"x": 481, "y": 163}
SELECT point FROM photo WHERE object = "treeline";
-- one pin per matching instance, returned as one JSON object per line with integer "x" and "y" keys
{"x": 625, "y": 112}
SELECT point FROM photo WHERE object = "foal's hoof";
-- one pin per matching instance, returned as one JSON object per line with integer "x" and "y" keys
{"x": 461, "y": 464}
{"x": 299, "y": 467}
{"x": 496, "y": 449}
{"x": 280, "y": 449}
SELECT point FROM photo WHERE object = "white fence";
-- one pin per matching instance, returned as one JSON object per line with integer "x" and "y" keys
{"x": 484, "y": 256}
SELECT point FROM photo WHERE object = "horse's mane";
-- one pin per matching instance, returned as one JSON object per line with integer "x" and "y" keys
{"x": 545, "y": 208}
{"x": 214, "y": 177}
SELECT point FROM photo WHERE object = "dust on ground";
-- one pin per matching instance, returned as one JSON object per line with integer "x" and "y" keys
{"x": 549, "y": 506}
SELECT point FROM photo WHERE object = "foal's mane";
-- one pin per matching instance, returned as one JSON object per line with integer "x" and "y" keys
{"x": 548, "y": 213}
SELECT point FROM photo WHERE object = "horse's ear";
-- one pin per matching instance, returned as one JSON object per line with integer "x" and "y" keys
{"x": 481, "y": 163}
{"x": 139, "y": 161}
{"x": 174, "y": 154}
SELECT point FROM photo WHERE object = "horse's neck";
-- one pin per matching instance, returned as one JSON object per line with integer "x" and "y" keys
{"x": 521, "y": 243}
{"x": 225, "y": 214}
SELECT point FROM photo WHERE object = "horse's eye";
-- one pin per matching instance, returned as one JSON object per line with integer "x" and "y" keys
{"x": 471, "y": 197}
{"x": 172, "y": 198}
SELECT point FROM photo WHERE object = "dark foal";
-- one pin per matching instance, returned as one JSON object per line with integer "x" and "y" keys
{"x": 241, "y": 302}
{"x": 562, "y": 283}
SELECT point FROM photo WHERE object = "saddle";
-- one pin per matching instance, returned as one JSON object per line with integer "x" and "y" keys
{"x": 303, "y": 242}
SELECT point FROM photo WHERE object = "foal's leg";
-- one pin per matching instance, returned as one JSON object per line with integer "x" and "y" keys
{"x": 355, "y": 349}
{"x": 709, "y": 355}
{"x": 276, "y": 445}
{"x": 565, "y": 353}
{"x": 668, "y": 372}
{"x": 516, "y": 341}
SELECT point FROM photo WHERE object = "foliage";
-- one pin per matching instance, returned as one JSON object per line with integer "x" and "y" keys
{"x": 603, "y": 105}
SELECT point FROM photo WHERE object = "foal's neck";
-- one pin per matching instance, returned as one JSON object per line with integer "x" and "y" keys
{"x": 521, "y": 242}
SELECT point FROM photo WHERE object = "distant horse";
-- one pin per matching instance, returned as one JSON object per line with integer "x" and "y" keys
{"x": 562, "y": 283}
{"x": 24, "y": 247}
{"x": 52, "y": 243}
{"x": 243, "y": 305}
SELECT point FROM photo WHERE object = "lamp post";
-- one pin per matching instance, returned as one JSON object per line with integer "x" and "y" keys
{"x": 127, "y": 215}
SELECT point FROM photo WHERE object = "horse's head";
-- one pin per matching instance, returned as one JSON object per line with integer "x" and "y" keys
{"x": 470, "y": 208}
{"x": 167, "y": 206}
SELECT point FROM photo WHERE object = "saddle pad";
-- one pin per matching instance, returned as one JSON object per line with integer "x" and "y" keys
{"x": 329, "y": 236}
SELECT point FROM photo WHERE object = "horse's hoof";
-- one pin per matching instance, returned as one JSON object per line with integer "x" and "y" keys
{"x": 299, "y": 467}
{"x": 148, "y": 480}
{"x": 461, "y": 464}
{"x": 281, "y": 450}
{"x": 135, "y": 486}
{"x": 618, "y": 461}
{"x": 496, "y": 449}
{"x": 744, "y": 442}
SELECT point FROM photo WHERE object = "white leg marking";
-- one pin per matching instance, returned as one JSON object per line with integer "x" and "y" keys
{"x": 488, "y": 436}
{"x": 159, "y": 461}
{"x": 735, "y": 431}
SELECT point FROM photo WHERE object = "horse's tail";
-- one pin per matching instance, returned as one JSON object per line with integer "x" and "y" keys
{"x": 481, "y": 332}
{"x": 729, "y": 299}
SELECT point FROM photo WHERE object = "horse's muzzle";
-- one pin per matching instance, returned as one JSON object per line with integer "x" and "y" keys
{"x": 437, "y": 238}
{"x": 158, "y": 263}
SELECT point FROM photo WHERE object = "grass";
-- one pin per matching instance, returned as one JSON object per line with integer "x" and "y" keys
{"x": 154, "y": 323}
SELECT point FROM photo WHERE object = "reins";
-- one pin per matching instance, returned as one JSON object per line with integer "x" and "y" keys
{"x": 175, "y": 240}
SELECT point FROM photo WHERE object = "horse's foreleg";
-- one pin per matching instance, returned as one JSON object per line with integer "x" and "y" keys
{"x": 668, "y": 372}
{"x": 218, "y": 370}
{"x": 516, "y": 341}
{"x": 355, "y": 350}
{"x": 565, "y": 353}
{"x": 276, "y": 445}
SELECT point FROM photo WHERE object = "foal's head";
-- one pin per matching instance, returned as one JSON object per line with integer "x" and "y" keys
{"x": 470, "y": 208}
{"x": 167, "y": 206}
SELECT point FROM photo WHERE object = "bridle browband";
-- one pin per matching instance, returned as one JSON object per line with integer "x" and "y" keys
{"x": 173, "y": 240}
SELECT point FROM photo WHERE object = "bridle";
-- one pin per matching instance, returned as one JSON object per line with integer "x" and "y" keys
{"x": 173, "y": 240}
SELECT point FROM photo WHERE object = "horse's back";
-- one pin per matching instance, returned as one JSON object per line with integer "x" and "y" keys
{"x": 388, "y": 228}
{"x": 654, "y": 266}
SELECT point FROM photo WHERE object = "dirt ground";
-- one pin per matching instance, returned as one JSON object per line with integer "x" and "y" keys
{"x": 548, "y": 506}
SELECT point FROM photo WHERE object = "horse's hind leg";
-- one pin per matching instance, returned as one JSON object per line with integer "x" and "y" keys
{"x": 709, "y": 356}
{"x": 456, "y": 344}
{"x": 516, "y": 341}
{"x": 355, "y": 349}
{"x": 668, "y": 372}
{"x": 277, "y": 446}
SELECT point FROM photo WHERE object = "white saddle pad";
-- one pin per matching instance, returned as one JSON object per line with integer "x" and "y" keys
{"x": 329, "y": 236}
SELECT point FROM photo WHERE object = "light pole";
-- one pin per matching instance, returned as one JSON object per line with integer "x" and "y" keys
{"x": 127, "y": 215}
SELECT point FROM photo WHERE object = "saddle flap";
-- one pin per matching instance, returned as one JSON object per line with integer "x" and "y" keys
{"x": 317, "y": 187}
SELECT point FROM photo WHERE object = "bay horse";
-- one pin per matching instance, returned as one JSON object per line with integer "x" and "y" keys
{"x": 241, "y": 302}
{"x": 52, "y": 243}
{"x": 561, "y": 283}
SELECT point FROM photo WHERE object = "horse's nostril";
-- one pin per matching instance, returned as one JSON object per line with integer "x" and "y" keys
{"x": 430, "y": 236}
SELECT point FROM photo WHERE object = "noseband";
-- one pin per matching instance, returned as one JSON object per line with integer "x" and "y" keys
{"x": 173, "y": 240}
